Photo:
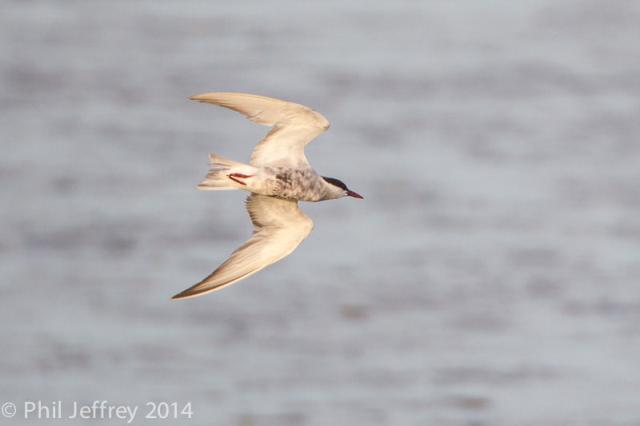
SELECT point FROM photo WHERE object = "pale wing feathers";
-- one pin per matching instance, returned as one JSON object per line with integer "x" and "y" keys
{"x": 294, "y": 125}
{"x": 279, "y": 227}
{"x": 264, "y": 110}
{"x": 284, "y": 146}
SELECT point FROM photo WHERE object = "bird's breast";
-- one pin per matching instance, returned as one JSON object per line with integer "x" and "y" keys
{"x": 293, "y": 184}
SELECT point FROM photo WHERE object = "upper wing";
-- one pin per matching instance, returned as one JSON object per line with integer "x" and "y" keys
{"x": 279, "y": 227}
{"x": 294, "y": 126}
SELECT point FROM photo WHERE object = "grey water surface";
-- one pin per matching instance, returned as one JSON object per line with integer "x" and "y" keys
{"x": 490, "y": 277}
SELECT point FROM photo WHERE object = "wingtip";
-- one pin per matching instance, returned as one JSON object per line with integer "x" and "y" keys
{"x": 206, "y": 97}
{"x": 191, "y": 292}
{"x": 186, "y": 293}
{"x": 182, "y": 295}
{"x": 176, "y": 296}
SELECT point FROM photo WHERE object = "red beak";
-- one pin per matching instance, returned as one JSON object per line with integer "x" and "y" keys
{"x": 354, "y": 195}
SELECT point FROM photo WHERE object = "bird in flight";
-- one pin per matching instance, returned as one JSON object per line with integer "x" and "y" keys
{"x": 277, "y": 176}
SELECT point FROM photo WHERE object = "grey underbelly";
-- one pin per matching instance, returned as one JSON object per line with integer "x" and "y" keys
{"x": 304, "y": 185}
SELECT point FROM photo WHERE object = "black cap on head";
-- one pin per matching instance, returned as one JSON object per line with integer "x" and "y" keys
{"x": 335, "y": 182}
{"x": 340, "y": 184}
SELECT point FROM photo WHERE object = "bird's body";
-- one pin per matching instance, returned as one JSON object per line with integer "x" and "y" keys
{"x": 299, "y": 184}
{"x": 278, "y": 176}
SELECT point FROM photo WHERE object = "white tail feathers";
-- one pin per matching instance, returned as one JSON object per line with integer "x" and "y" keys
{"x": 216, "y": 161}
{"x": 218, "y": 177}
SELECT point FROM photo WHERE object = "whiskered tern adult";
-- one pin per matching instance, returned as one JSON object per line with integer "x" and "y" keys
{"x": 277, "y": 176}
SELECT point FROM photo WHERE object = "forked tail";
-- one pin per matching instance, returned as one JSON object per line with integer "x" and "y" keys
{"x": 222, "y": 172}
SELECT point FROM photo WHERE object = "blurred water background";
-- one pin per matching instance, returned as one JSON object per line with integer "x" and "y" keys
{"x": 489, "y": 278}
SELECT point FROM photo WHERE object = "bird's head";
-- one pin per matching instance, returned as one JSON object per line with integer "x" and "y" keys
{"x": 338, "y": 189}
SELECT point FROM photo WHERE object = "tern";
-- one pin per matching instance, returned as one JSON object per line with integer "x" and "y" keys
{"x": 277, "y": 176}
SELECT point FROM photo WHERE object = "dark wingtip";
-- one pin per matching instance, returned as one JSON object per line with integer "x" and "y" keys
{"x": 183, "y": 295}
